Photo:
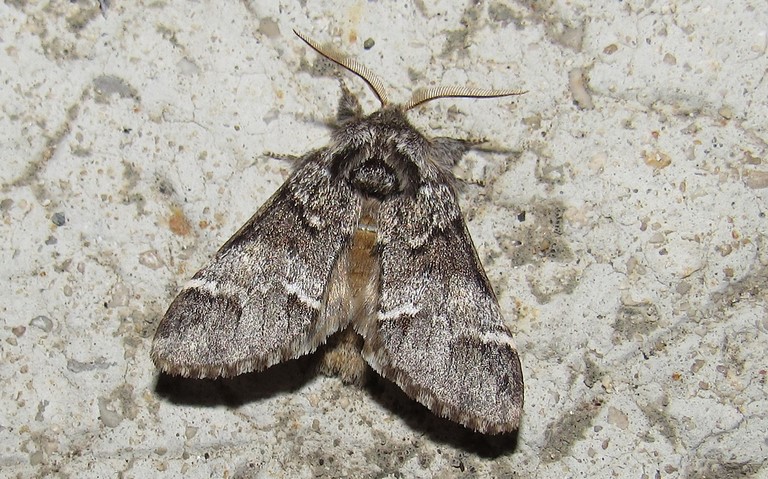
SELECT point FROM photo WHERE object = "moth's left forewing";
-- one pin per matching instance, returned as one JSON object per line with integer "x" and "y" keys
{"x": 438, "y": 331}
{"x": 276, "y": 290}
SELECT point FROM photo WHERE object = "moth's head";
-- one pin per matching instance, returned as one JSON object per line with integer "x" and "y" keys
{"x": 349, "y": 108}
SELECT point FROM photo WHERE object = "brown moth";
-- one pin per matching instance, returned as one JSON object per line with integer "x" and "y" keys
{"x": 364, "y": 244}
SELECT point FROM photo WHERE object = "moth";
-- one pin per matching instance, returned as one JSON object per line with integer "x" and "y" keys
{"x": 364, "y": 244}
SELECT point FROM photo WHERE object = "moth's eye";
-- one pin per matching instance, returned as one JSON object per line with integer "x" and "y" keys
{"x": 375, "y": 178}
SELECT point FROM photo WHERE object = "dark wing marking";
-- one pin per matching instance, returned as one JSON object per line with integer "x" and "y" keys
{"x": 274, "y": 291}
{"x": 438, "y": 332}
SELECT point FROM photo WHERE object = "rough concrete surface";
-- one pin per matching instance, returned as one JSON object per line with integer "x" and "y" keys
{"x": 619, "y": 209}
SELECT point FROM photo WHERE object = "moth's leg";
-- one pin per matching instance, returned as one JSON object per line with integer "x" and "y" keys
{"x": 454, "y": 149}
{"x": 283, "y": 156}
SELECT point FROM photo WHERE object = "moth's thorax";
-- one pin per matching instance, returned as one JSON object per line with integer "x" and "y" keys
{"x": 378, "y": 155}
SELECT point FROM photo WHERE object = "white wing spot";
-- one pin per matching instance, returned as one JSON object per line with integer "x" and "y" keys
{"x": 215, "y": 288}
{"x": 293, "y": 288}
{"x": 497, "y": 338}
{"x": 210, "y": 287}
{"x": 404, "y": 310}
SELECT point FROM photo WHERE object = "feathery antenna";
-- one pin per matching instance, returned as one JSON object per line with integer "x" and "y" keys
{"x": 419, "y": 96}
{"x": 350, "y": 64}
{"x": 429, "y": 94}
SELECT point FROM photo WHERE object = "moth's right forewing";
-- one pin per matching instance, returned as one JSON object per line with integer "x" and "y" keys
{"x": 274, "y": 291}
{"x": 438, "y": 332}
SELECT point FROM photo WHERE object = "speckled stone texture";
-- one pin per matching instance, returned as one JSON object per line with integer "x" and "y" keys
{"x": 618, "y": 207}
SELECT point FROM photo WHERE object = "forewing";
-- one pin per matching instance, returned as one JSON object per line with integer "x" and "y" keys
{"x": 274, "y": 291}
{"x": 438, "y": 332}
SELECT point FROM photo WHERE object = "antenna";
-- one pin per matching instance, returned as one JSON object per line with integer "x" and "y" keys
{"x": 419, "y": 96}
{"x": 429, "y": 94}
{"x": 350, "y": 64}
